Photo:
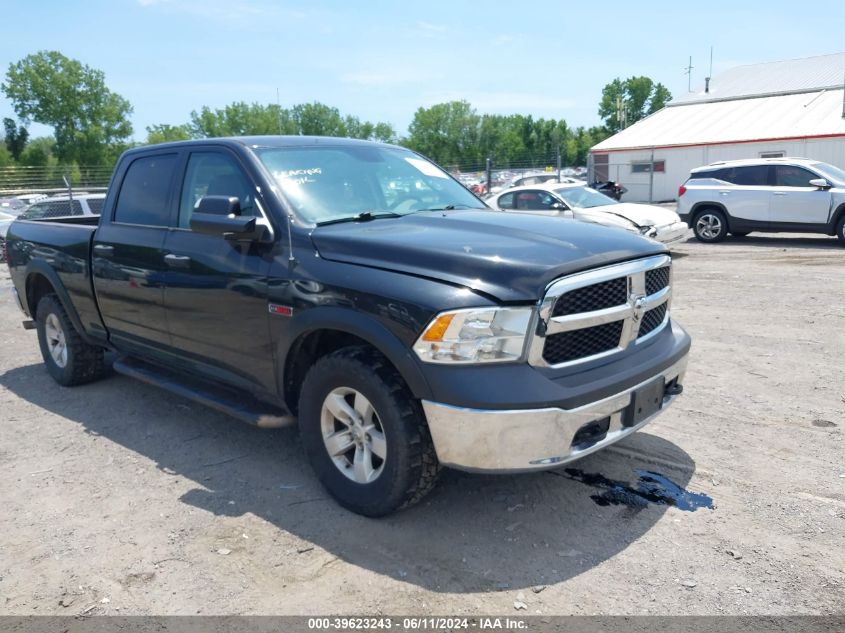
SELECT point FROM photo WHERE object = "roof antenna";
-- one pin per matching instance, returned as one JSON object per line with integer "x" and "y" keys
{"x": 688, "y": 73}
{"x": 710, "y": 75}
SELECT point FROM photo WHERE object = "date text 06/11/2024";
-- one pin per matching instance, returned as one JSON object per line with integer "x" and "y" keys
{"x": 417, "y": 624}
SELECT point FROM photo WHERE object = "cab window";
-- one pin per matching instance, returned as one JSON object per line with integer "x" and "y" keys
{"x": 214, "y": 174}
{"x": 144, "y": 195}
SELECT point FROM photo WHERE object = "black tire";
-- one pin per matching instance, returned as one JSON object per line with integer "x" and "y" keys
{"x": 740, "y": 233}
{"x": 840, "y": 228}
{"x": 710, "y": 226}
{"x": 409, "y": 468}
{"x": 81, "y": 362}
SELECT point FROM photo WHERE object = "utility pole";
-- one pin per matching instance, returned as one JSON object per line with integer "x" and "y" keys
{"x": 558, "y": 163}
{"x": 688, "y": 73}
{"x": 489, "y": 170}
{"x": 621, "y": 112}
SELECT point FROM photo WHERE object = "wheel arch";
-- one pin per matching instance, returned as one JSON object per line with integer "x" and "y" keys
{"x": 42, "y": 280}
{"x": 701, "y": 207}
{"x": 837, "y": 215}
{"x": 320, "y": 331}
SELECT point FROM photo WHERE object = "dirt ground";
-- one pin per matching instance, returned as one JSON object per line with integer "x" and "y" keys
{"x": 118, "y": 498}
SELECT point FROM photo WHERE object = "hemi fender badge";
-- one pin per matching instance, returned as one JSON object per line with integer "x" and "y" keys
{"x": 275, "y": 308}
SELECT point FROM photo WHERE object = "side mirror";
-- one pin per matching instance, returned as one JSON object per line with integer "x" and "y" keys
{"x": 559, "y": 206}
{"x": 821, "y": 183}
{"x": 231, "y": 227}
{"x": 218, "y": 205}
{"x": 220, "y": 215}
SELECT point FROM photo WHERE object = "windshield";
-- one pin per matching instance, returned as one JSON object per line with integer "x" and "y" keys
{"x": 584, "y": 197}
{"x": 830, "y": 171}
{"x": 326, "y": 184}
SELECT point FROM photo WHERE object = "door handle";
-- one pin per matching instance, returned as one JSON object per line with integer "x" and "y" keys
{"x": 104, "y": 250}
{"x": 177, "y": 261}
{"x": 779, "y": 193}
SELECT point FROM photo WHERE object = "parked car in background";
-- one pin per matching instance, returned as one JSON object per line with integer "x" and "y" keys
{"x": 536, "y": 179}
{"x": 579, "y": 202}
{"x": 12, "y": 206}
{"x": 5, "y": 220}
{"x": 31, "y": 198}
{"x": 63, "y": 206}
{"x": 770, "y": 195}
{"x": 610, "y": 188}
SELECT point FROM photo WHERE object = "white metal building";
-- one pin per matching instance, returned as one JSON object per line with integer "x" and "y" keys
{"x": 787, "y": 108}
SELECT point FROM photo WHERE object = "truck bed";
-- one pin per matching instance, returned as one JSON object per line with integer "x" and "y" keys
{"x": 59, "y": 250}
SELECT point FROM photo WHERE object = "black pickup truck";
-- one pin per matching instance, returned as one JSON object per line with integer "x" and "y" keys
{"x": 358, "y": 289}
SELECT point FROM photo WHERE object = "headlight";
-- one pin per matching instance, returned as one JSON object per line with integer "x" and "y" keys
{"x": 648, "y": 231}
{"x": 476, "y": 335}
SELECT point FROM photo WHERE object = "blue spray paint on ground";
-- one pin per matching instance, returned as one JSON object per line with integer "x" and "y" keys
{"x": 651, "y": 488}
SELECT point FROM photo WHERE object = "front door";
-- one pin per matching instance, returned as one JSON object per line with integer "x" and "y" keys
{"x": 216, "y": 290}
{"x": 795, "y": 201}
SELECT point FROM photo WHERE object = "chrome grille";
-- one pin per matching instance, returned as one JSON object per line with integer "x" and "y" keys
{"x": 601, "y": 312}
{"x": 567, "y": 346}
{"x": 605, "y": 294}
{"x": 652, "y": 320}
{"x": 656, "y": 280}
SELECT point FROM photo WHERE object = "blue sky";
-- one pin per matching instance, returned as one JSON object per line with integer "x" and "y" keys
{"x": 382, "y": 60}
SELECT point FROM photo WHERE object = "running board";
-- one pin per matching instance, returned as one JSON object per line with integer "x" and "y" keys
{"x": 225, "y": 400}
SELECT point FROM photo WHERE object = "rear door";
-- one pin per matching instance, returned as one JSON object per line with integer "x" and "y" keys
{"x": 795, "y": 201}
{"x": 216, "y": 289}
{"x": 128, "y": 255}
{"x": 749, "y": 198}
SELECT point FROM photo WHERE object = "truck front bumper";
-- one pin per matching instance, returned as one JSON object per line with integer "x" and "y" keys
{"x": 512, "y": 440}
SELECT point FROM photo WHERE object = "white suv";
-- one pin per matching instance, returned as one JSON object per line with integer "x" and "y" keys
{"x": 773, "y": 194}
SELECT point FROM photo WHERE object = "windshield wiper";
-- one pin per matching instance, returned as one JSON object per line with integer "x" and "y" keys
{"x": 364, "y": 216}
{"x": 449, "y": 207}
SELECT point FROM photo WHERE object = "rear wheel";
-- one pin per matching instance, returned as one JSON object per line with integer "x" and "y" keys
{"x": 364, "y": 433}
{"x": 710, "y": 226}
{"x": 68, "y": 359}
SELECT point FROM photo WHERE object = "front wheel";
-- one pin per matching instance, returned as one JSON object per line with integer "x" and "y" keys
{"x": 68, "y": 359}
{"x": 364, "y": 433}
{"x": 710, "y": 226}
{"x": 840, "y": 229}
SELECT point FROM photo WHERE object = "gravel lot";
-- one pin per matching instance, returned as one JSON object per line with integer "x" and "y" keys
{"x": 119, "y": 498}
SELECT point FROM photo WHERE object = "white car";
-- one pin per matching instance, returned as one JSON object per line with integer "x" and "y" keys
{"x": 772, "y": 194}
{"x": 575, "y": 200}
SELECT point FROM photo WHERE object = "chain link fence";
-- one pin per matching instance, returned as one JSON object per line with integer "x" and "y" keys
{"x": 53, "y": 179}
{"x": 482, "y": 177}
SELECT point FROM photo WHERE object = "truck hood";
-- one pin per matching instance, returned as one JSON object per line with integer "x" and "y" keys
{"x": 640, "y": 214}
{"x": 510, "y": 257}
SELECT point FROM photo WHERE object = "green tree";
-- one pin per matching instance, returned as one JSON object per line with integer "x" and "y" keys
{"x": 90, "y": 122}
{"x": 6, "y": 158}
{"x": 446, "y": 132}
{"x": 242, "y": 119}
{"x": 16, "y": 138}
{"x": 40, "y": 152}
{"x": 639, "y": 97}
{"x": 164, "y": 133}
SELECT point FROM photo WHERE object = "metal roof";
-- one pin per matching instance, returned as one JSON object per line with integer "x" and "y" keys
{"x": 813, "y": 114}
{"x": 772, "y": 78}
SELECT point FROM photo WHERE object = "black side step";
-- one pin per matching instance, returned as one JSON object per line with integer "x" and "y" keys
{"x": 225, "y": 400}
